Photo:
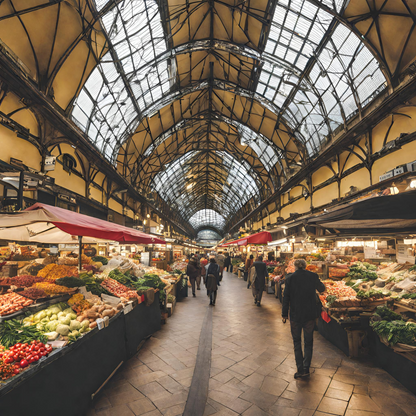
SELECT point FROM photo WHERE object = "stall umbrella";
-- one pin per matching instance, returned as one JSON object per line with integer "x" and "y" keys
{"x": 47, "y": 224}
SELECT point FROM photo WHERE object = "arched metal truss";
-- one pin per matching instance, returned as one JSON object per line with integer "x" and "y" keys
{"x": 278, "y": 78}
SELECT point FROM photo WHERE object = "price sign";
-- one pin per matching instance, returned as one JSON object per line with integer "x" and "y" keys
{"x": 128, "y": 308}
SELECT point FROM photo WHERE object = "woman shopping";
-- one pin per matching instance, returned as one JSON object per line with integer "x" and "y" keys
{"x": 212, "y": 279}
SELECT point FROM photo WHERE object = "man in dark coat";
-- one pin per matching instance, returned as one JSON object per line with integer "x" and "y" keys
{"x": 193, "y": 272}
{"x": 213, "y": 275}
{"x": 260, "y": 282}
{"x": 300, "y": 296}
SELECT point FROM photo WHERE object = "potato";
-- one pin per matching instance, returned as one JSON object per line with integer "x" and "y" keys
{"x": 93, "y": 324}
{"x": 100, "y": 309}
{"x": 120, "y": 306}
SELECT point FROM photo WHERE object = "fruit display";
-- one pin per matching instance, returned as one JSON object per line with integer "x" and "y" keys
{"x": 21, "y": 281}
{"x": 33, "y": 293}
{"x": 52, "y": 289}
{"x": 53, "y": 272}
{"x": 12, "y": 302}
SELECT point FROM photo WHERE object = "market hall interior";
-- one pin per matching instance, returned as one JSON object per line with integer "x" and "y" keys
{"x": 251, "y": 369}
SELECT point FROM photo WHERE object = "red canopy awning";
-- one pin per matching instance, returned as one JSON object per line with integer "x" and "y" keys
{"x": 83, "y": 225}
{"x": 260, "y": 238}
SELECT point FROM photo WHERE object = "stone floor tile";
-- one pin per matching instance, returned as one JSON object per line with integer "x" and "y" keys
{"x": 209, "y": 410}
{"x": 170, "y": 384}
{"x": 154, "y": 391}
{"x": 352, "y": 379}
{"x": 361, "y": 402}
{"x": 283, "y": 411}
{"x": 126, "y": 397}
{"x": 254, "y": 380}
{"x": 142, "y": 406}
{"x": 259, "y": 398}
{"x": 273, "y": 386}
{"x": 254, "y": 411}
{"x": 153, "y": 413}
{"x": 306, "y": 400}
{"x": 341, "y": 386}
{"x": 170, "y": 401}
{"x": 235, "y": 404}
{"x": 361, "y": 390}
{"x": 120, "y": 410}
{"x": 350, "y": 412}
{"x": 224, "y": 376}
{"x": 332, "y": 406}
{"x": 239, "y": 368}
{"x": 338, "y": 394}
{"x": 174, "y": 410}
{"x": 143, "y": 379}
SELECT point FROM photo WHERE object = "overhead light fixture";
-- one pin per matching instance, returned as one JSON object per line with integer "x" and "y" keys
{"x": 148, "y": 215}
{"x": 413, "y": 184}
{"x": 144, "y": 222}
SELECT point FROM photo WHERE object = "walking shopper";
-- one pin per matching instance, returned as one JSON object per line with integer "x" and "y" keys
{"x": 301, "y": 297}
{"x": 213, "y": 276}
{"x": 192, "y": 271}
{"x": 219, "y": 258}
{"x": 247, "y": 267}
{"x": 203, "y": 262}
{"x": 261, "y": 273}
{"x": 227, "y": 262}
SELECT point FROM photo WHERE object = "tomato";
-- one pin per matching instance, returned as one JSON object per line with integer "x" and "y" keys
{"x": 18, "y": 345}
{"x": 8, "y": 360}
{"x": 33, "y": 348}
{"x": 16, "y": 371}
{"x": 25, "y": 344}
{"x": 24, "y": 363}
{"x": 41, "y": 344}
{"x": 33, "y": 342}
{"x": 37, "y": 347}
{"x": 36, "y": 357}
{"x": 41, "y": 349}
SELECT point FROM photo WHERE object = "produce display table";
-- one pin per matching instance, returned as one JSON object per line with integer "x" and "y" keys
{"x": 141, "y": 322}
{"x": 182, "y": 288}
{"x": 347, "y": 336}
{"x": 64, "y": 382}
{"x": 397, "y": 365}
{"x": 64, "y": 385}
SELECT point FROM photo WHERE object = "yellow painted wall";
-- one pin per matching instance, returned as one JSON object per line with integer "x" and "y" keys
{"x": 321, "y": 175}
{"x": 12, "y": 146}
{"x": 300, "y": 206}
{"x": 325, "y": 195}
{"x": 96, "y": 194}
{"x": 115, "y": 206}
{"x": 360, "y": 179}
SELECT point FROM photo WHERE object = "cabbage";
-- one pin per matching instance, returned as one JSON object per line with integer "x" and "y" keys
{"x": 67, "y": 311}
{"x": 72, "y": 316}
{"x": 85, "y": 323}
{"x": 62, "y": 329}
{"x": 40, "y": 315}
{"x": 61, "y": 314}
{"x": 74, "y": 325}
{"x": 40, "y": 327}
{"x": 51, "y": 326}
{"x": 48, "y": 313}
{"x": 54, "y": 309}
{"x": 75, "y": 334}
{"x": 44, "y": 320}
{"x": 54, "y": 317}
{"x": 65, "y": 320}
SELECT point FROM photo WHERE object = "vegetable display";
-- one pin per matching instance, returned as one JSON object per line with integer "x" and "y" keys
{"x": 33, "y": 293}
{"x": 93, "y": 284}
{"x": 15, "y": 331}
{"x": 118, "y": 289}
{"x": 12, "y": 302}
{"x": 100, "y": 259}
{"x": 396, "y": 331}
{"x": 20, "y": 355}
{"x": 70, "y": 281}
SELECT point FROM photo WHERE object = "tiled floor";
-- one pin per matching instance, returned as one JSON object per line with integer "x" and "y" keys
{"x": 252, "y": 368}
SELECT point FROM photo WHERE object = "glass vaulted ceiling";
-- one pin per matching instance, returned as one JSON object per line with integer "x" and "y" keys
{"x": 313, "y": 70}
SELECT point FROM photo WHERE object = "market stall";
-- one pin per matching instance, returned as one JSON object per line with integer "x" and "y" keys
{"x": 72, "y": 311}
